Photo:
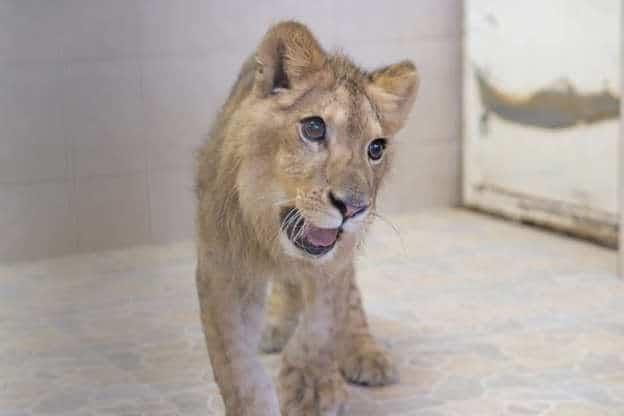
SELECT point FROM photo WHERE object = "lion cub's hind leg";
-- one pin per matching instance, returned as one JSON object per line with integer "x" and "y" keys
{"x": 284, "y": 305}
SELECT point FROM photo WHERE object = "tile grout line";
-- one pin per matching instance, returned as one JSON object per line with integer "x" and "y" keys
{"x": 147, "y": 147}
{"x": 139, "y": 17}
{"x": 70, "y": 168}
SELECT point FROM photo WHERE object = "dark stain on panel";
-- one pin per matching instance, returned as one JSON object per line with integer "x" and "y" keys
{"x": 548, "y": 108}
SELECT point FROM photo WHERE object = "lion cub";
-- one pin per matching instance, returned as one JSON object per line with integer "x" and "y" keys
{"x": 286, "y": 185}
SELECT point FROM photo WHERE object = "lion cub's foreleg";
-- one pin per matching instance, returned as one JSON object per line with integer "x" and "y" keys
{"x": 310, "y": 383}
{"x": 231, "y": 317}
{"x": 363, "y": 360}
{"x": 284, "y": 304}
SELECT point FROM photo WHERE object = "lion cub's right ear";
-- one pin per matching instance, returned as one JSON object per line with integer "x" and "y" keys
{"x": 287, "y": 55}
{"x": 394, "y": 89}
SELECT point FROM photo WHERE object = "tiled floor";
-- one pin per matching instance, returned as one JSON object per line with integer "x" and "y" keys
{"x": 485, "y": 317}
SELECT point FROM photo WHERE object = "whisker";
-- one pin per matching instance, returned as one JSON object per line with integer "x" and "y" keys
{"x": 288, "y": 218}
{"x": 301, "y": 230}
{"x": 394, "y": 228}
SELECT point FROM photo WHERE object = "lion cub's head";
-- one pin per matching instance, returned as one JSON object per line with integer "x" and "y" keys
{"x": 313, "y": 138}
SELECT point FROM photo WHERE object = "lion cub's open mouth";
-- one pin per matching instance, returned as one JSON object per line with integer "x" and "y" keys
{"x": 307, "y": 237}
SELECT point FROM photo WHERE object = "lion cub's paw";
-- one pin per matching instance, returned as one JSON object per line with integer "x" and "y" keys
{"x": 369, "y": 365}
{"x": 274, "y": 338}
{"x": 302, "y": 394}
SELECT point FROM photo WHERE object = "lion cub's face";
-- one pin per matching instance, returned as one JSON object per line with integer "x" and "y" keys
{"x": 323, "y": 141}
{"x": 332, "y": 157}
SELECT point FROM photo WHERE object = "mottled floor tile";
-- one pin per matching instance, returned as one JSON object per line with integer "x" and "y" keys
{"x": 484, "y": 318}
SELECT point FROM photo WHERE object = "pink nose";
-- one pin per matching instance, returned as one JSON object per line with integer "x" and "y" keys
{"x": 352, "y": 210}
{"x": 348, "y": 207}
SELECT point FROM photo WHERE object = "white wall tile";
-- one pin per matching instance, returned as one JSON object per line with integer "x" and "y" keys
{"x": 112, "y": 211}
{"x": 104, "y": 120}
{"x": 172, "y": 204}
{"x": 33, "y": 30}
{"x": 32, "y": 139}
{"x": 182, "y": 97}
{"x": 4, "y": 29}
{"x": 370, "y": 20}
{"x": 170, "y": 27}
{"x": 35, "y": 221}
{"x": 437, "y": 111}
{"x": 422, "y": 177}
{"x": 99, "y": 29}
{"x": 41, "y": 30}
{"x": 198, "y": 26}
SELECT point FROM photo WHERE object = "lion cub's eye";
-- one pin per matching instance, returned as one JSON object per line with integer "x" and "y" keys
{"x": 376, "y": 149}
{"x": 312, "y": 129}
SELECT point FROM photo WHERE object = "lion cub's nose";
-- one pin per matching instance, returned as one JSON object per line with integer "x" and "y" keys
{"x": 349, "y": 205}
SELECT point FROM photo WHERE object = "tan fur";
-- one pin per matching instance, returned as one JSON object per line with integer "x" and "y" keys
{"x": 252, "y": 166}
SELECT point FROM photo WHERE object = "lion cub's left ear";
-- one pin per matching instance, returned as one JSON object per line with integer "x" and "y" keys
{"x": 394, "y": 89}
{"x": 288, "y": 57}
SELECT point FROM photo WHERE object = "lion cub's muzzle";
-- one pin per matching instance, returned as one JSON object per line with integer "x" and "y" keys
{"x": 317, "y": 241}
{"x": 313, "y": 240}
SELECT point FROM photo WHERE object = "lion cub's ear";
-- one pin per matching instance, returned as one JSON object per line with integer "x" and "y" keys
{"x": 394, "y": 89}
{"x": 287, "y": 55}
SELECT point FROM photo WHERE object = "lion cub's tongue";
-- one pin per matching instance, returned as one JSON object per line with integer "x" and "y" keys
{"x": 321, "y": 237}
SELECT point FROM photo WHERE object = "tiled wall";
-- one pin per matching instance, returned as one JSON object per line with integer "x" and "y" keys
{"x": 103, "y": 102}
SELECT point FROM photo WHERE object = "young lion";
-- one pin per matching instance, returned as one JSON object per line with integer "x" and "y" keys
{"x": 286, "y": 185}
